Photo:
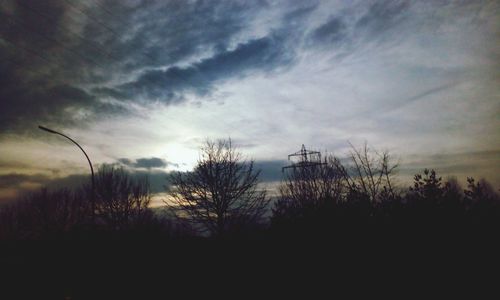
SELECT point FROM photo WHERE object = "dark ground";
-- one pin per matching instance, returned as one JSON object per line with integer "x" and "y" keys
{"x": 379, "y": 261}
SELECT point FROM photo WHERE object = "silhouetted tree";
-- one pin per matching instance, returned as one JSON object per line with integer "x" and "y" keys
{"x": 369, "y": 172}
{"x": 332, "y": 189}
{"x": 482, "y": 200}
{"x": 433, "y": 203}
{"x": 425, "y": 197}
{"x": 221, "y": 193}
{"x": 121, "y": 201}
{"x": 480, "y": 191}
{"x": 43, "y": 213}
{"x": 453, "y": 201}
{"x": 307, "y": 190}
{"x": 427, "y": 188}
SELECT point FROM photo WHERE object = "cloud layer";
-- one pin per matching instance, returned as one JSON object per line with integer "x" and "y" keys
{"x": 140, "y": 81}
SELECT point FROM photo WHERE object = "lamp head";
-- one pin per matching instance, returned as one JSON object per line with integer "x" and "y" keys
{"x": 46, "y": 129}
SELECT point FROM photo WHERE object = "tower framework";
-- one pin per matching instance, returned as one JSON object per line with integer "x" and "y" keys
{"x": 303, "y": 159}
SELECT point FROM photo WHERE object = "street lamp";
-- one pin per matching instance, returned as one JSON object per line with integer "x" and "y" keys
{"x": 88, "y": 159}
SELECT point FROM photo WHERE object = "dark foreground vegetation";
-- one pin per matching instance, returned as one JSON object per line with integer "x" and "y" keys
{"x": 337, "y": 225}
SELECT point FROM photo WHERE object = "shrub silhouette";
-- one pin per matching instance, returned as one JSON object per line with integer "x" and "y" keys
{"x": 44, "y": 213}
{"x": 483, "y": 203}
{"x": 333, "y": 193}
{"x": 308, "y": 191}
{"x": 346, "y": 211}
{"x": 362, "y": 197}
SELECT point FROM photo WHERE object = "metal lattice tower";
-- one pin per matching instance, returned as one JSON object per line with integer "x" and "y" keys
{"x": 304, "y": 158}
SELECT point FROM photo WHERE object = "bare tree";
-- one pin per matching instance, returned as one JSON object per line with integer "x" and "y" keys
{"x": 221, "y": 193}
{"x": 309, "y": 186}
{"x": 369, "y": 172}
{"x": 120, "y": 200}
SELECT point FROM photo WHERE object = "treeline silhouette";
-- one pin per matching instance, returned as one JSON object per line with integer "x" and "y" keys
{"x": 349, "y": 211}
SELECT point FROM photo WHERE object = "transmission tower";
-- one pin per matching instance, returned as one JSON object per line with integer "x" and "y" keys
{"x": 303, "y": 159}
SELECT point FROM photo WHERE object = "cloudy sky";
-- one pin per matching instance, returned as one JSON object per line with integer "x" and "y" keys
{"x": 143, "y": 83}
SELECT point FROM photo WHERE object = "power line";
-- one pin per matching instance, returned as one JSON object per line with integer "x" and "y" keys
{"x": 92, "y": 18}
{"x": 103, "y": 7}
{"x": 102, "y": 24}
{"x": 23, "y": 66}
{"x": 30, "y": 52}
{"x": 99, "y": 4}
{"x": 13, "y": 21}
{"x": 94, "y": 45}
{"x": 120, "y": 19}
{"x": 26, "y": 49}
{"x": 97, "y": 46}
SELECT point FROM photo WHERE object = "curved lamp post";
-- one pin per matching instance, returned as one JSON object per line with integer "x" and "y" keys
{"x": 88, "y": 159}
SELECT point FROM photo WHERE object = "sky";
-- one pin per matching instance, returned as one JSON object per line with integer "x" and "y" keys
{"x": 142, "y": 84}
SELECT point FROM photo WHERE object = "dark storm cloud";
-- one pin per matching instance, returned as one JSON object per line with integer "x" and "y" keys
{"x": 331, "y": 32}
{"x": 165, "y": 32}
{"x": 14, "y": 180}
{"x": 271, "y": 170}
{"x": 260, "y": 54}
{"x": 25, "y": 184}
{"x": 382, "y": 15}
{"x": 157, "y": 180}
{"x": 53, "y": 51}
{"x": 298, "y": 14}
{"x": 29, "y": 78}
{"x": 147, "y": 163}
{"x": 345, "y": 27}
{"x": 23, "y": 105}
